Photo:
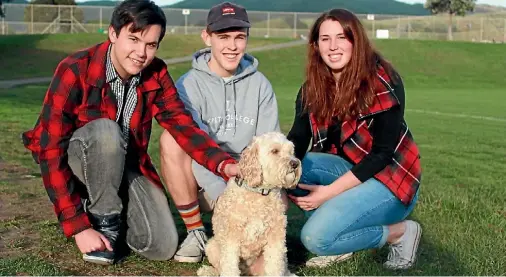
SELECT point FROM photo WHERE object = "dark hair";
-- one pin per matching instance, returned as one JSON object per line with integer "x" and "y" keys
{"x": 139, "y": 12}
{"x": 354, "y": 91}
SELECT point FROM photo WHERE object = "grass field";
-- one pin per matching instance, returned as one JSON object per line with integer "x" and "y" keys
{"x": 40, "y": 56}
{"x": 455, "y": 107}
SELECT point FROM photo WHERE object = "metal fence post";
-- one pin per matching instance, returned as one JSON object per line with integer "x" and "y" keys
{"x": 504, "y": 39}
{"x": 399, "y": 27}
{"x": 269, "y": 24}
{"x": 409, "y": 28}
{"x": 373, "y": 21}
{"x": 3, "y": 26}
{"x": 31, "y": 18}
{"x": 100, "y": 26}
{"x": 481, "y": 30}
{"x": 71, "y": 20}
{"x": 185, "y": 24}
{"x": 294, "y": 25}
{"x": 433, "y": 26}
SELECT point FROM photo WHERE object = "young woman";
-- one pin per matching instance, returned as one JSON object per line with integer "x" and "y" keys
{"x": 361, "y": 176}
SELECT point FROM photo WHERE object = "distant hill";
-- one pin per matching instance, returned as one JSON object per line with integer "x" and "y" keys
{"x": 357, "y": 6}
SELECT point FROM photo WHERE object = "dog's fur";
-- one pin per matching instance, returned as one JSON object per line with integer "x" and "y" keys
{"x": 247, "y": 224}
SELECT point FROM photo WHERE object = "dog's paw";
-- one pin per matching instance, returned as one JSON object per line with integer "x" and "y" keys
{"x": 207, "y": 270}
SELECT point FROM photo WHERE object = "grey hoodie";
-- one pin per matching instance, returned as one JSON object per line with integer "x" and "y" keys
{"x": 230, "y": 112}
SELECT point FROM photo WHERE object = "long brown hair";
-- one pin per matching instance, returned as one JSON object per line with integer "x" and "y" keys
{"x": 354, "y": 91}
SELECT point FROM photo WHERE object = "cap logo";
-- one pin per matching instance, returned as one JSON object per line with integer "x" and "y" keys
{"x": 228, "y": 10}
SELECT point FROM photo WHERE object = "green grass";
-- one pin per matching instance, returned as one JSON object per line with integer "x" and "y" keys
{"x": 461, "y": 206}
{"x": 42, "y": 53}
{"x": 28, "y": 265}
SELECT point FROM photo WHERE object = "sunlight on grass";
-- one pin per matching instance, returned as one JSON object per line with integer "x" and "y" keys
{"x": 40, "y": 56}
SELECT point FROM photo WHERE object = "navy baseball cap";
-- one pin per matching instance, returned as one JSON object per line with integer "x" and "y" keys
{"x": 227, "y": 15}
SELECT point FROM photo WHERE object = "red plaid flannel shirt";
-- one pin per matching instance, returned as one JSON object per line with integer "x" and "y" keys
{"x": 402, "y": 176}
{"x": 79, "y": 94}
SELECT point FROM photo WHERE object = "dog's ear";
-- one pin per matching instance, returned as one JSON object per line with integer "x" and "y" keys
{"x": 249, "y": 166}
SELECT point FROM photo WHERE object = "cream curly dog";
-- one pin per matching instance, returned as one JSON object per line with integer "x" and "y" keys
{"x": 249, "y": 218}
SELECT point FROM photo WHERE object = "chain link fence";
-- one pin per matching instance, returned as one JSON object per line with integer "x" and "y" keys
{"x": 42, "y": 19}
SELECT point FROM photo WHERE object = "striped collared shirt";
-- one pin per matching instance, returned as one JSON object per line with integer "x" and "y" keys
{"x": 120, "y": 89}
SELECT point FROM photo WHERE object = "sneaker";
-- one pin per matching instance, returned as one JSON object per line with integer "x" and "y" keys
{"x": 323, "y": 261}
{"x": 192, "y": 250}
{"x": 403, "y": 253}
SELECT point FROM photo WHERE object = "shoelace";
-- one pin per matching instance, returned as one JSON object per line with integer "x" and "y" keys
{"x": 111, "y": 234}
{"x": 199, "y": 236}
{"x": 395, "y": 252}
{"x": 201, "y": 239}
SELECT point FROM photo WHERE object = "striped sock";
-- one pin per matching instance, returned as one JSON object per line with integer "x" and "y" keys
{"x": 191, "y": 216}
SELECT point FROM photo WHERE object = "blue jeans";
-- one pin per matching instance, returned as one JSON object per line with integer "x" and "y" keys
{"x": 354, "y": 220}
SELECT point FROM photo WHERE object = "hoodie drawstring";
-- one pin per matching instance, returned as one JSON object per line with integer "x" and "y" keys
{"x": 235, "y": 107}
{"x": 231, "y": 98}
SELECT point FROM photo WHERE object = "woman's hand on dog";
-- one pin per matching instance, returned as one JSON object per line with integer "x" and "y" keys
{"x": 317, "y": 196}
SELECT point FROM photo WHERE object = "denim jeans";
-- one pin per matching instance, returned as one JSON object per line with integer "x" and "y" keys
{"x": 97, "y": 157}
{"x": 354, "y": 220}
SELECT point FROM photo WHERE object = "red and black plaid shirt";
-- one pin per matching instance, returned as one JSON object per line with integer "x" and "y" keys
{"x": 79, "y": 94}
{"x": 402, "y": 176}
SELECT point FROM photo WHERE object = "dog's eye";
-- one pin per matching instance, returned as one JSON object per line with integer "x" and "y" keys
{"x": 275, "y": 151}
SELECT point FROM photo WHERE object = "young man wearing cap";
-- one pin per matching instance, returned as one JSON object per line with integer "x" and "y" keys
{"x": 92, "y": 135}
{"x": 232, "y": 102}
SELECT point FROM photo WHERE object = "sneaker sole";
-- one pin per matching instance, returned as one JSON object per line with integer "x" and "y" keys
{"x": 417, "y": 242}
{"x": 97, "y": 260}
{"x": 183, "y": 259}
{"x": 342, "y": 258}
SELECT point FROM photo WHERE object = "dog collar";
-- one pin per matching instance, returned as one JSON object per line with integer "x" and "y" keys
{"x": 242, "y": 183}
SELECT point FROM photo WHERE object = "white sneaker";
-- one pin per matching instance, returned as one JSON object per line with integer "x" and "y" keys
{"x": 403, "y": 253}
{"x": 323, "y": 261}
{"x": 192, "y": 250}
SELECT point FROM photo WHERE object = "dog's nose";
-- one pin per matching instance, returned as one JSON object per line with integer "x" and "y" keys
{"x": 294, "y": 163}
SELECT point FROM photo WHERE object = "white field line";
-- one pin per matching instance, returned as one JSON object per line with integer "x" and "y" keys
{"x": 460, "y": 115}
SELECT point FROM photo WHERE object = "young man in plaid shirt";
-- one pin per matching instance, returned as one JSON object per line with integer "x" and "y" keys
{"x": 92, "y": 135}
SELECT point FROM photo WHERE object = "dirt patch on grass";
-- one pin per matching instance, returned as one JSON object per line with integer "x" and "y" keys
{"x": 22, "y": 203}
{"x": 28, "y": 226}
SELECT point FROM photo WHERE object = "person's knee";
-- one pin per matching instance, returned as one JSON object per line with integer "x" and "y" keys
{"x": 158, "y": 245}
{"x": 307, "y": 165}
{"x": 315, "y": 240}
{"x": 171, "y": 152}
{"x": 105, "y": 136}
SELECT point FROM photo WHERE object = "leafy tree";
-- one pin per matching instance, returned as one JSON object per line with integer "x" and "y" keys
{"x": 451, "y": 7}
{"x": 47, "y": 11}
